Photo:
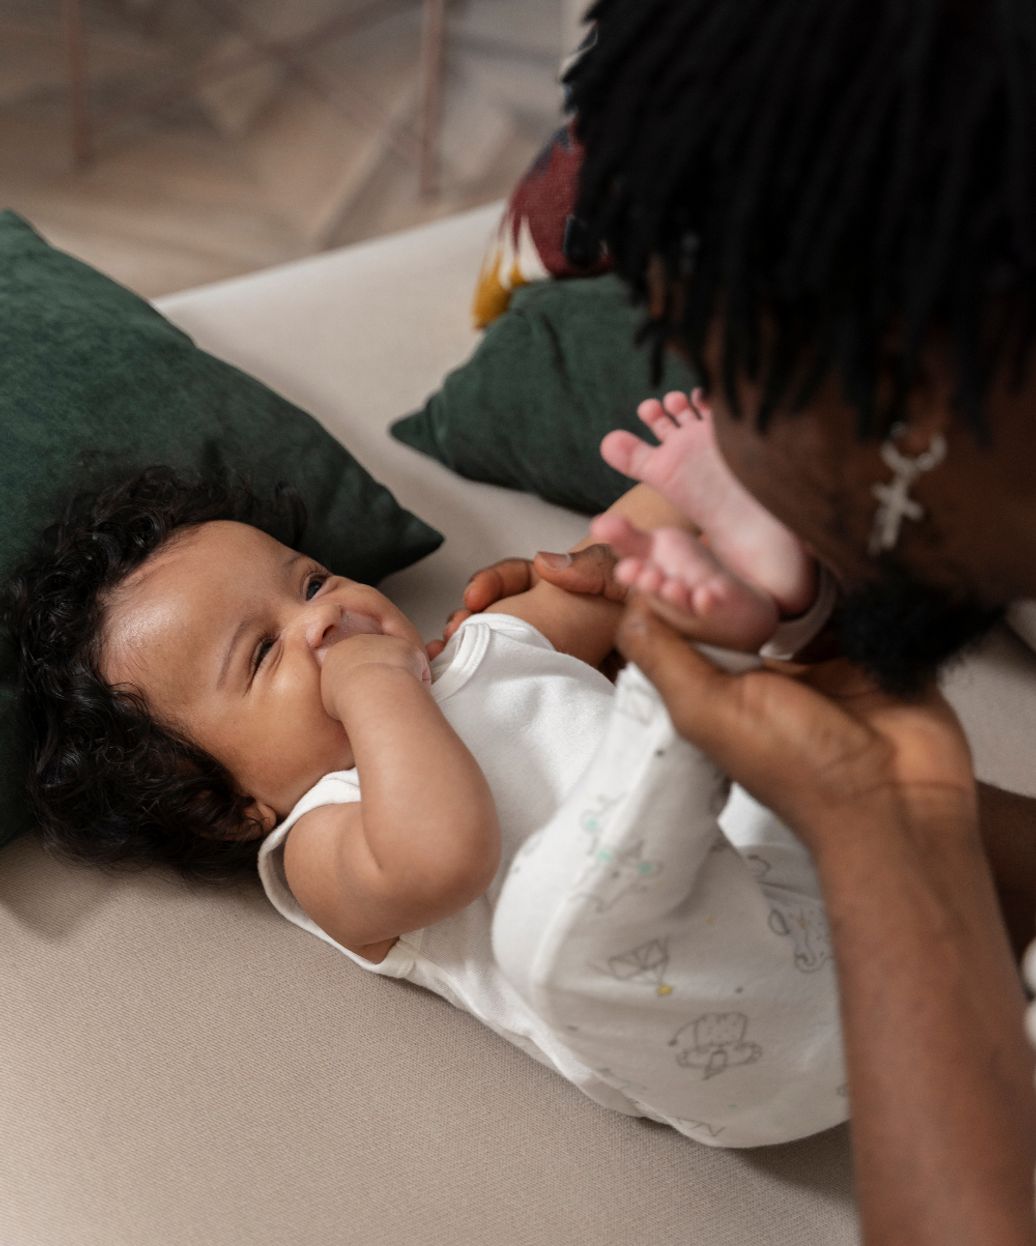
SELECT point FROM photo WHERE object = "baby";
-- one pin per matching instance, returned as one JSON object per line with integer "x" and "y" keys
{"x": 501, "y": 825}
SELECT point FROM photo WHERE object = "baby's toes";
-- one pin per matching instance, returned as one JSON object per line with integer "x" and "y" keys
{"x": 711, "y": 596}
{"x": 682, "y": 556}
{"x": 640, "y": 574}
{"x": 654, "y": 415}
{"x": 650, "y": 579}
{"x": 678, "y": 406}
{"x": 616, "y": 531}
{"x": 626, "y": 453}
{"x": 675, "y": 593}
{"x": 700, "y": 404}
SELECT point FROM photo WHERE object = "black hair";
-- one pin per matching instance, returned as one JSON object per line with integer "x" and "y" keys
{"x": 840, "y": 183}
{"x": 108, "y": 784}
{"x": 903, "y": 631}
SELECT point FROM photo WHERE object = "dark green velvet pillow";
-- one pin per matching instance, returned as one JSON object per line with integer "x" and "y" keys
{"x": 551, "y": 376}
{"x": 94, "y": 383}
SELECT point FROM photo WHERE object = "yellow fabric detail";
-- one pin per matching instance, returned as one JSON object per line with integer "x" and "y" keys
{"x": 491, "y": 294}
{"x": 492, "y": 291}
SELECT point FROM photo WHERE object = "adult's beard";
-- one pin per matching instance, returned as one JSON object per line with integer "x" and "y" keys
{"x": 902, "y": 631}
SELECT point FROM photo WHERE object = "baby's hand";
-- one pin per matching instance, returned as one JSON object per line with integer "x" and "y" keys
{"x": 340, "y": 662}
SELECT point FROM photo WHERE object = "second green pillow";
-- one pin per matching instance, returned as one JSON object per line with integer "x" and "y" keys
{"x": 550, "y": 377}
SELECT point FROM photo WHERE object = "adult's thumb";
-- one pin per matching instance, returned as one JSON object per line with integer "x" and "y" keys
{"x": 589, "y": 571}
{"x": 699, "y": 695}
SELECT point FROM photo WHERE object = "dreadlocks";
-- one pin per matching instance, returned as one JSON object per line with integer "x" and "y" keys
{"x": 840, "y": 183}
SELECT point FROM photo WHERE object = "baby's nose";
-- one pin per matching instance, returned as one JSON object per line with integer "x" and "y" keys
{"x": 324, "y": 629}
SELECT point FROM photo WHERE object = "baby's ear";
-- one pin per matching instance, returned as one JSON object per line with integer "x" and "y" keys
{"x": 264, "y": 814}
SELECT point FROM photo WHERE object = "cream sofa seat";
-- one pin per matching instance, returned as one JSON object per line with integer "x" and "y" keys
{"x": 185, "y": 1068}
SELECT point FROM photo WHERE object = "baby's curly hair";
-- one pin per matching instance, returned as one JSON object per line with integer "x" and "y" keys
{"x": 108, "y": 784}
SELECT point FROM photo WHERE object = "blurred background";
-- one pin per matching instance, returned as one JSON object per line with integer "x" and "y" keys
{"x": 176, "y": 142}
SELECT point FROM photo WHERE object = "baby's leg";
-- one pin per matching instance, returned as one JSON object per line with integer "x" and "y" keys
{"x": 691, "y": 585}
{"x": 688, "y": 469}
{"x": 644, "y": 941}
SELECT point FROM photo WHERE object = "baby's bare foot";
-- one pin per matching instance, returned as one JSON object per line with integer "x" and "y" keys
{"x": 692, "y": 588}
{"x": 688, "y": 469}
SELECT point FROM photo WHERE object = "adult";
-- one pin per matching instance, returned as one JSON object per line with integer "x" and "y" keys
{"x": 829, "y": 206}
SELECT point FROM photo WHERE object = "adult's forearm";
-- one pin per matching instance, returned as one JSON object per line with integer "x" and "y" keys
{"x": 940, "y": 1072}
{"x": 1008, "y": 822}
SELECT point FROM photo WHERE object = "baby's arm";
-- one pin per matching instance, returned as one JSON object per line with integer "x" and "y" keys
{"x": 584, "y": 626}
{"x": 424, "y": 841}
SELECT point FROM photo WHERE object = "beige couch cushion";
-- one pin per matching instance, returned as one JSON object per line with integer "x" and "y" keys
{"x": 186, "y": 1068}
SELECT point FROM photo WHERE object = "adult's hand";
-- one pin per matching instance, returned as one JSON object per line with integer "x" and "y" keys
{"x": 586, "y": 571}
{"x": 939, "y": 1071}
{"x": 822, "y": 746}
{"x": 589, "y": 570}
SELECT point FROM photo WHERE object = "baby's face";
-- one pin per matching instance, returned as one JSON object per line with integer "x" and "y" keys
{"x": 223, "y": 632}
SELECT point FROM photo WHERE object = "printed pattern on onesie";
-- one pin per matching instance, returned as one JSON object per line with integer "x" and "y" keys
{"x": 684, "y": 973}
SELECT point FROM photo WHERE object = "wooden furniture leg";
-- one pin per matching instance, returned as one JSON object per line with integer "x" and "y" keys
{"x": 433, "y": 39}
{"x": 78, "y": 95}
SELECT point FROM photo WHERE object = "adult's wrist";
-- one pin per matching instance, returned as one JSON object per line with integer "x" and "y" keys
{"x": 870, "y": 834}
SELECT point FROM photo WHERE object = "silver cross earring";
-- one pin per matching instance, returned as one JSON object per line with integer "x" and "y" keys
{"x": 894, "y": 501}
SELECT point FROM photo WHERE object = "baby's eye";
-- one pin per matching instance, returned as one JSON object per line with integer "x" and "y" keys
{"x": 262, "y": 649}
{"x": 314, "y": 584}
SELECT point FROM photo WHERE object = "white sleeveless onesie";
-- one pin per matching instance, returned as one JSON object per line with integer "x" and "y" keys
{"x": 668, "y": 967}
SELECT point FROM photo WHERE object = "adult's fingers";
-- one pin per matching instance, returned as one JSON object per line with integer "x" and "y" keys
{"x": 589, "y": 571}
{"x": 777, "y": 734}
{"x": 699, "y": 696}
{"x": 816, "y": 746}
{"x": 506, "y": 578}
{"x": 456, "y": 618}
{"x": 434, "y": 647}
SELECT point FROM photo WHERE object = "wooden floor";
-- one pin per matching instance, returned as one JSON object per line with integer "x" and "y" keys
{"x": 213, "y": 159}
